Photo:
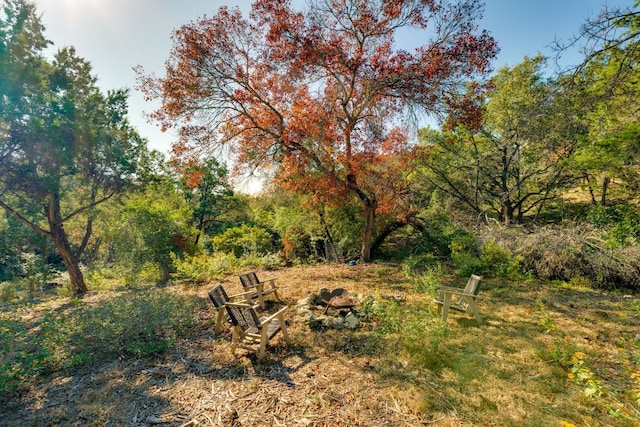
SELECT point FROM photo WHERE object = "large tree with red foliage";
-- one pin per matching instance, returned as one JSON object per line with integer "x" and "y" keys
{"x": 322, "y": 97}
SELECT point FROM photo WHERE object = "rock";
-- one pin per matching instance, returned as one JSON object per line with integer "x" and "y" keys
{"x": 351, "y": 321}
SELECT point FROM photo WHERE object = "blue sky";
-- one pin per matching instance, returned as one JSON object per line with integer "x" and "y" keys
{"x": 116, "y": 35}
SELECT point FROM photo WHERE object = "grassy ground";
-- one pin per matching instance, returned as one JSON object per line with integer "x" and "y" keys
{"x": 545, "y": 355}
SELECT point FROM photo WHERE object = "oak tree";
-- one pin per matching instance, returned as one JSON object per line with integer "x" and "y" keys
{"x": 322, "y": 97}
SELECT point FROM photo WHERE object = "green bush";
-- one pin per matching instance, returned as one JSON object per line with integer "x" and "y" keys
{"x": 7, "y": 292}
{"x": 430, "y": 280}
{"x": 621, "y": 222}
{"x": 497, "y": 261}
{"x": 130, "y": 324}
{"x": 243, "y": 240}
{"x": 201, "y": 268}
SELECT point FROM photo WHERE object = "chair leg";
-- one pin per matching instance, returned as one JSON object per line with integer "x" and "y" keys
{"x": 220, "y": 318}
{"x": 472, "y": 306}
{"x": 445, "y": 307}
{"x": 283, "y": 328}
{"x": 259, "y": 290}
{"x": 263, "y": 341}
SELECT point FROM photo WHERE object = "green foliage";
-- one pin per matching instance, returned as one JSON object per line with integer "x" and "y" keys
{"x": 142, "y": 235}
{"x": 7, "y": 292}
{"x": 622, "y": 223}
{"x": 66, "y": 146}
{"x": 489, "y": 259}
{"x": 422, "y": 341}
{"x": 132, "y": 324}
{"x": 201, "y": 268}
{"x": 517, "y": 161}
{"x": 244, "y": 239}
{"x": 430, "y": 280}
{"x": 497, "y": 261}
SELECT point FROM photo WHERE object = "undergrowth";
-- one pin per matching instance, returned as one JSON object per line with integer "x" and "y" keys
{"x": 133, "y": 324}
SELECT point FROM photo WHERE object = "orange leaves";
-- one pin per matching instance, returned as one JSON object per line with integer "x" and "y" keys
{"x": 319, "y": 94}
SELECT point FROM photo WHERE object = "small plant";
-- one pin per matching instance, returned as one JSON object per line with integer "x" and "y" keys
{"x": 422, "y": 341}
{"x": 583, "y": 375}
{"x": 202, "y": 268}
{"x": 430, "y": 281}
{"x": 635, "y": 391}
{"x": 548, "y": 324}
{"x": 7, "y": 292}
{"x": 131, "y": 324}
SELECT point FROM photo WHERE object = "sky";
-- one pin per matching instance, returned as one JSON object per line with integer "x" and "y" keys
{"x": 117, "y": 35}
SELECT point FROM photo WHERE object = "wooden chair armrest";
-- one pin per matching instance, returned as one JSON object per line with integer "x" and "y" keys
{"x": 272, "y": 281}
{"x": 241, "y": 294}
{"x": 449, "y": 289}
{"x": 269, "y": 318}
{"x": 455, "y": 291}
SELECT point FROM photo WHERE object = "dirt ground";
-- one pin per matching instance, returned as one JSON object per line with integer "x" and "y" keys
{"x": 323, "y": 379}
{"x": 202, "y": 383}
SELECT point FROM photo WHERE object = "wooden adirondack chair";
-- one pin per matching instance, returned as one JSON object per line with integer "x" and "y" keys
{"x": 460, "y": 299}
{"x": 219, "y": 298}
{"x": 251, "y": 332}
{"x": 258, "y": 289}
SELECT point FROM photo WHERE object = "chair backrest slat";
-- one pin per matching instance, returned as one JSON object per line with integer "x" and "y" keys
{"x": 249, "y": 280}
{"x": 218, "y": 296}
{"x": 243, "y": 316}
{"x": 473, "y": 285}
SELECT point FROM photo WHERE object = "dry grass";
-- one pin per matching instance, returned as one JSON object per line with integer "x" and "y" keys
{"x": 510, "y": 371}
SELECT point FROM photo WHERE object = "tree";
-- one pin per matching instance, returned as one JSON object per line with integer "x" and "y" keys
{"x": 146, "y": 231}
{"x": 606, "y": 84}
{"x": 321, "y": 97}
{"x": 518, "y": 160}
{"x": 610, "y": 154}
{"x": 64, "y": 146}
{"x": 207, "y": 190}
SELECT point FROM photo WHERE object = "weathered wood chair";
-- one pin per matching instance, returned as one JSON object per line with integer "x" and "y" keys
{"x": 460, "y": 299}
{"x": 257, "y": 288}
{"x": 219, "y": 298}
{"x": 251, "y": 332}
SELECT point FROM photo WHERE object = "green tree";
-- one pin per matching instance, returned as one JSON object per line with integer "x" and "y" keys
{"x": 145, "y": 230}
{"x": 206, "y": 188}
{"x": 518, "y": 160}
{"x": 608, "y": 82}
{"x": 65, "y": 147}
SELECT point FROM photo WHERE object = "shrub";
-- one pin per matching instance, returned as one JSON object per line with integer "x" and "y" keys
{"x": 621, "y": 222}
{"x": 430, "y": 281}
{"x": 7, "y": 292}
{"x": 201, "y": 268}
{"x": 131, "y": 324}
{"x": 497, "y": 261}
{"x": 243, "y": 240}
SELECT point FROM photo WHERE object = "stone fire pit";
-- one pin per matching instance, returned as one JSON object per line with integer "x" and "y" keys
{"x": 331, "y": 309}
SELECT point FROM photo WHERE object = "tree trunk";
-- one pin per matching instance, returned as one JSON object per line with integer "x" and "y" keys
{"x": 59, "y": 237}
{"x": 367, "y": 234}
{"x": 605, "y": 186}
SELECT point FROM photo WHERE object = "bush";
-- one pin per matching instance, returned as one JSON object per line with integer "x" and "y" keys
{"x": 130, "y": 324}
{"x": 621, "y": 222}
{"x": 243, "y": 240}
{"x": 497, "y": 261}
{"x": 201, "y": 268}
